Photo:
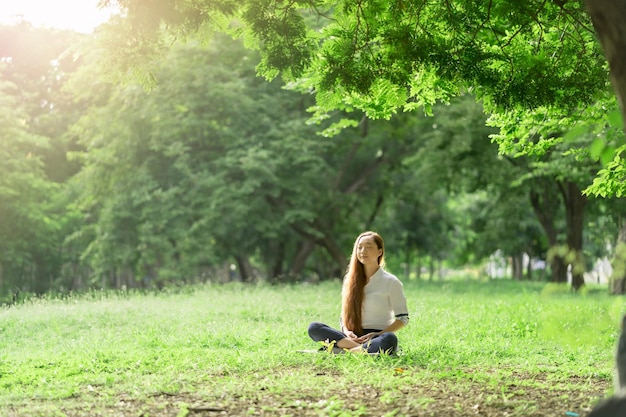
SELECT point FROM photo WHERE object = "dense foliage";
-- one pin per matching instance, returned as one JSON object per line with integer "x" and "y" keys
{"x": 202, "y": 170}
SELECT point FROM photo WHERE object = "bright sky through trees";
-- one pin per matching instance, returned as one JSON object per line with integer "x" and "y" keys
{"x": 78, "y": 15}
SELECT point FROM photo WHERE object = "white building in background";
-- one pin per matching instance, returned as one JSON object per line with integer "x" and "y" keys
{"x": 497, "y": 266}
{"x": 600, "y": 273}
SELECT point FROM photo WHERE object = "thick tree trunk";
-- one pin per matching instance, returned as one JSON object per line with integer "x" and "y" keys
{"x": 299, "y": 261}
{"x": 328, "y": 243}
{"x": 559, "y": 270}
{"x": 609, "y": 22}
{"x": 245, "y": 269}
{"x": 609, "y": 17}
{"x": 575, "y": 203}
{"x": 335, "y": 251}
{"x": 545, "y": 205}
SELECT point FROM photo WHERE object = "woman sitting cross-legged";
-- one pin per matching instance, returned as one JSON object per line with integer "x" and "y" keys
{"x": 373, "y": 303}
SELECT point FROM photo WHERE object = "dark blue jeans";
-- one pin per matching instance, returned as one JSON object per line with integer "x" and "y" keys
{"x": 384, "y": 343}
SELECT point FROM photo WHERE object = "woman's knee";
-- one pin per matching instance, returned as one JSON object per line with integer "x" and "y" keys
{"x": 388, "y": 342}
{"x": 314, "y": 328}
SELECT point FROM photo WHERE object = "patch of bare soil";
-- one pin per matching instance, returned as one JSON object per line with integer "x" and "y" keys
{"x": 529, "y": 396}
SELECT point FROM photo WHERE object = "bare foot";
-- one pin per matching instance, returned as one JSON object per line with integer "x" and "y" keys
{"x": 358, "y": 349}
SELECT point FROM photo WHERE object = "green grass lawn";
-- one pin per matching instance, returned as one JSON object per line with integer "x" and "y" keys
{"x": 499, "y": 347}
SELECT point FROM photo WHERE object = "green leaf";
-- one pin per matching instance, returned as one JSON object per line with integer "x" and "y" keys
{"x": 575, "y": 133}
{"x": 615, "y": 119}
{"x": 596, "y": 148}
{"x": 608, "y": 154}
{"x": 336, "y": 128}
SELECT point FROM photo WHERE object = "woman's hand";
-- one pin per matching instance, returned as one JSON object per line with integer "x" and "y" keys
{"x": 351, "y": 335}
{"x": 367, "y": 337}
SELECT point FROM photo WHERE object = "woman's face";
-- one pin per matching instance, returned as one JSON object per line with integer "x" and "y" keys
{"x": 367, "y": 252}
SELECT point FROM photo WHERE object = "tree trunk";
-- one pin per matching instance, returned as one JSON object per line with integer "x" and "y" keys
{"x": 407, "y": 260}
{"x": 128, "y": 278}
{"x": 418, "y": 268}
{"x": 431, "y": 268}
{"x": 77, "y": 276}
{"x": 558, "y": 268}
{"x": 245, "y": 269}
{"x": 406, "y": 268}
{"x": 617, "y": 281}
{"x": 529, "y": 269}
{"x": 276, "y": 270}
{"x": 299, "y": 261}
{"x": 327, "y": 243}
{"x": 517, "y": 263}
{"x": 370, "y": 221}
{"x": 545, "y": 204}
{"x": 336, "y": 253}
{"x": 609, "y": 17}
{"x": 575, "y": 203}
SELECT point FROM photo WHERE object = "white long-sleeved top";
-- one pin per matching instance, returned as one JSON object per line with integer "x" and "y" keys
{"x": 384, "y": 301}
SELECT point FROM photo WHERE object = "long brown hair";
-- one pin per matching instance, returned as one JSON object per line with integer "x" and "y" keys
{"x": 354, "y": 283}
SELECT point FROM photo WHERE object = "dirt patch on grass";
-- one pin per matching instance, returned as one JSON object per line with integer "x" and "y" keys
{"x": 528, "y": 396}
{"x": 436, "y": 398}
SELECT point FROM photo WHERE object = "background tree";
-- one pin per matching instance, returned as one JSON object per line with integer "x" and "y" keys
{"x": 383, "y": 56}
{"x": 34, "y": 68}
{"x": 212, "y": 164}
{"x": 608, "y": 21}
{"x": 28, "y": 223}
{"x": 216, "y": 161}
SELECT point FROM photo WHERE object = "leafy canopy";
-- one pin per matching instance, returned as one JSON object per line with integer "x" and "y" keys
{"x": 384, "y": 55}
